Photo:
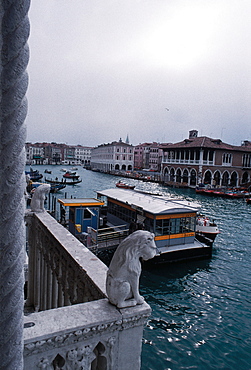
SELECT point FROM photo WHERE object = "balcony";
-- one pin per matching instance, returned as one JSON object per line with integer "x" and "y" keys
{"x": 69, "y": 322}
{"x": 180, "y": 161}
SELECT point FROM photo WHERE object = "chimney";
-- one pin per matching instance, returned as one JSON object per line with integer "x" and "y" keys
{"x": 193, "y": 133}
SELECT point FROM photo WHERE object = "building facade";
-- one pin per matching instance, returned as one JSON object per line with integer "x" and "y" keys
{"x": 57, "y": 153}
{"x": 35, "y": 153}
{"x": 115, "y": 156}
{"x": 83, "y": 154}
{"x": 205, "y": 160}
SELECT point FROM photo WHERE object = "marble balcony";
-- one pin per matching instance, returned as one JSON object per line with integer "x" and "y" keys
{"x": 69, "y": 323}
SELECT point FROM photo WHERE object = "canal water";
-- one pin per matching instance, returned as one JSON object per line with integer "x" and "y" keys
{"x": 201, "y": 310}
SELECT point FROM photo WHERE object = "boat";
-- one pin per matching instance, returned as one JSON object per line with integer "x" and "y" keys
{"x": 124, "y": 185}
{"x": 34, "y": 174}
{"x": 34, "y": 185}
{"x": 235, "y": 193}
{"x": 248, "y": 200}
{"x": 57, "y": 187}
{"x": 47, "y": 171}
{"x": 70, "y": 175}
{"x": 206, "y": 228}
{"x": 64, "y": 181}
{"x": 105, "y": 221}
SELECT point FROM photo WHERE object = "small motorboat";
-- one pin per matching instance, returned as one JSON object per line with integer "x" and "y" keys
{"x": 248, "y": 200}
{"x": 124, "y": 185}
{"x": 206, "y": 227}
{"x": 47, "y": 171}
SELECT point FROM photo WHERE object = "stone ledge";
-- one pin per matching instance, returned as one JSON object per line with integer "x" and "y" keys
{"x": 91, "y": 264}
{"x": 62, "y": 326}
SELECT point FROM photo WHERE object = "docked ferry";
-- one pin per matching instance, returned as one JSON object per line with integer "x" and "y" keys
{"x": 117, "y": 212}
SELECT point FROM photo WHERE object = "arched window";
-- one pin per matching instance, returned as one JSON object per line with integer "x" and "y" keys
{"x": 193, "y": 177}
{"x": 207, "y": 177}
{"x": 172, "y": 175}
{"x": 225, "y": 178}
{"x": 185, "y": 175}
{"x": 244, "y": 178}
{"x": 216, "y": 178}
{"x": 234, "y": 179}
{"x": 178, "y": 175}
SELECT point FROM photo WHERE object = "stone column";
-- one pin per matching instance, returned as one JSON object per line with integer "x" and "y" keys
{"x": 13, "y": 108}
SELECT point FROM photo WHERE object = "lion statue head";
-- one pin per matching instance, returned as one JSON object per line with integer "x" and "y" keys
{"x": 124, "y": 271}
{"x": 38, "y": 197}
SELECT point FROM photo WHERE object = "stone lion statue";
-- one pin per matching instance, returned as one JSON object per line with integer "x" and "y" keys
{"x": 122, "y": 282}
{"x": 38, "y": 197}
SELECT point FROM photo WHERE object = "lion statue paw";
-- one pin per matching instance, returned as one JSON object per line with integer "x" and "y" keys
{"x": 122, "y": 282}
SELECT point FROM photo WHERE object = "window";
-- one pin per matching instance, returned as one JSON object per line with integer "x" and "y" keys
{"x": 175, "y": 226}
{"x": 123, "y": 213}
{"x": 227, "y": 158}
{"x": 87, "y": 214}
{"x": 246, "y": 160}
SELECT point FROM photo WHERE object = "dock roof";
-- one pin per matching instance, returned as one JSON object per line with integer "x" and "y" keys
{"x": 78, "y": 202}
{"x": 153, "y": 204}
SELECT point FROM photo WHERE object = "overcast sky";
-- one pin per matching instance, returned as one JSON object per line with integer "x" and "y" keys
{"x": 150, "y": 69}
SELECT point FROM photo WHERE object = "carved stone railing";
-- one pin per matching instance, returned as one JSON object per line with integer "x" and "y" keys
{"x": 74, "y": 326}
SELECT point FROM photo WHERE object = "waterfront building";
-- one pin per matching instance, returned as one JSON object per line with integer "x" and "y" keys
{"x": 155, "y": 155}
{"x": 206, "y": 160}
{"x": 54, "y": 153}
{"x": 35, "y": 154}
{"x": 69, "y": 155}
{"x": 57, "y": 153}
{"x": 115, "y": 156}
{"x": 142, "y": 156}
{"x": 138, "y": 156}
{"x": 83, "y": 154}
{"x": 148, "y": 156}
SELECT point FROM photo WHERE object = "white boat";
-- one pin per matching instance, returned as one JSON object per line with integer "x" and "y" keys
{"x": 206, "y": 227}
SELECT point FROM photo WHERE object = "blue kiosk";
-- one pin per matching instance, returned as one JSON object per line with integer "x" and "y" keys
{"x": 83, "y": 213}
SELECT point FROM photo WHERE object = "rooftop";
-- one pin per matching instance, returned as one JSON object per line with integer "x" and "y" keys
{"x": 206, "y": 142}
{"x": 78, "y": 202}
{"x": 151, "y": 203}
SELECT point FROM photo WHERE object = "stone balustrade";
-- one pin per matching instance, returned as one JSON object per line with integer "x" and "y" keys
{"x": 73, "y": 326}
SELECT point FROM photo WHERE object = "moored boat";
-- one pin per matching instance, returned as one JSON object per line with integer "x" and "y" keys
{"x": 64, "y": 181}
{"x": 34, "y": 175}
{"x": 236, "y": 193}
{"x": 206, "y": 228}
{"x": 54, "y": 187}
{"x": 123, "y": 185}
